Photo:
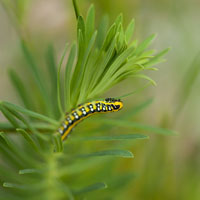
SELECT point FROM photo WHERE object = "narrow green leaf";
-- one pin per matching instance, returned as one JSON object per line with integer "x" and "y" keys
{"x": 43, "y": 127}
{"x": 119, "y": 20}
{"x": 30, "y": 171}
{"x": 51, "y": 65}
{"x": 144, "y": 77}
{"x": 30, "y": 60}
{"x": 68, "y": 73}
{"x": 144, "y": 44}
{"x": 129, "y": 31}
{"x": 27, "y": 187}
{"x": 125, "y": 71}
{"x": 6, "y": 126}
{"x": 58, "y": 81}
{"x": 28, "y": 138}
{"x": 137, "y": 109}
{"x": 30, "y": 113}
{"x": 120, "y": 44}
{"x": 157, "y": 58}
{"x": 105, "y": 82}
{"x": 81, "y": 75}
{"x": 136, "y": 125}
{"x": 114, "y": 152}
{"x": 95, "y": 76}
{"x": 12, "y": 185}
{"x": 90, "y": 22}
{"x": 148, "y": 53}
{"x": 102, "y": 29}
{"x": 90, "y": 188}
{"x": 22, "y": 92}
{"x": 52, "y": 70}
{"x": 58, "y": 144}
{"x": 22, "y": 119}
{"x": 76, "y": 73}
{"x": 17, "y": 151}
{"x": 133, "y": 92}
{"x": 37, "y": 75}
{"x": 111, "y": 138}
{"x": 119, "y": 61}
{"x": 9, "y": 116}
{"x": 109, "y": 37}
{"x": 84, "y": 86}
{"x": 81, "y": 25}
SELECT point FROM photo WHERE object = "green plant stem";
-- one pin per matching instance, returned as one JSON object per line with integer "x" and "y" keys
{"x": 76, "y": 9}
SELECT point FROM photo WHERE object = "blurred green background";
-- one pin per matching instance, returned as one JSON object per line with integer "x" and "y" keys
{"x": 167, "y": 166}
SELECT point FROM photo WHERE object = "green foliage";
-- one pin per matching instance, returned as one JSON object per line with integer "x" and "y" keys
{"x": 36, "y": 164}
{"x": 102, "y": 63}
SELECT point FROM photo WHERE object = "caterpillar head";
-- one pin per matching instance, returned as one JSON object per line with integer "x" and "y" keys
{"x": 116, "y": 104}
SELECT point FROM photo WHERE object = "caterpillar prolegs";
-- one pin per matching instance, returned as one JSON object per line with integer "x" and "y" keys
{"x": 83, "y": 111}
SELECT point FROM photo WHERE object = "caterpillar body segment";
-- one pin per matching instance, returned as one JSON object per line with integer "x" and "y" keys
{"x": 83, "y": 111}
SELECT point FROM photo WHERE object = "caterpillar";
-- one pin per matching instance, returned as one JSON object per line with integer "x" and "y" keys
{"x": 83, "y": 111}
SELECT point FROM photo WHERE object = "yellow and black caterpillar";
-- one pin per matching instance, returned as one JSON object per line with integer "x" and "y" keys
{"x": 85, "y": 110}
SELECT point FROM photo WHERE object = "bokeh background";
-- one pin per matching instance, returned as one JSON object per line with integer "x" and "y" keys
{"x": 168, "y": 167}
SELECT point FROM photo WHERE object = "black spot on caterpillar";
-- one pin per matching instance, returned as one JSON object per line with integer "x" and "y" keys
{"x": 85, "y": 110}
